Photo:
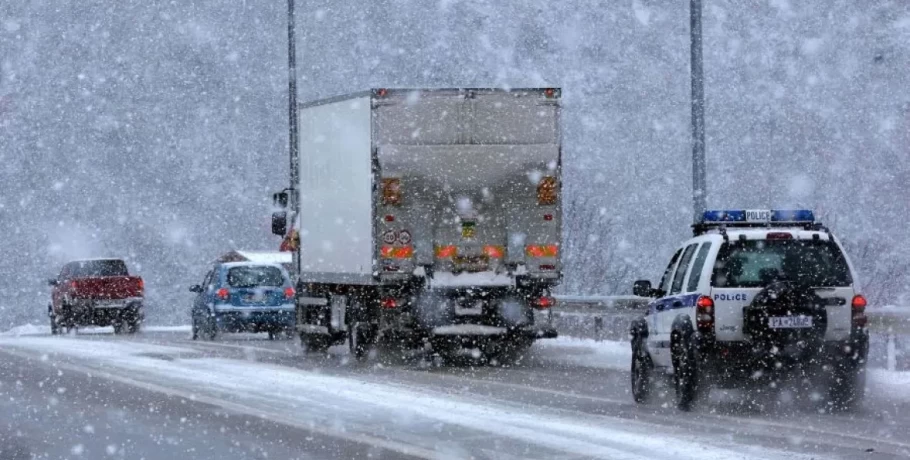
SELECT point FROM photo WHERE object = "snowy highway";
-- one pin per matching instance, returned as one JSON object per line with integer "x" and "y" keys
{"x": 160, "y": 395}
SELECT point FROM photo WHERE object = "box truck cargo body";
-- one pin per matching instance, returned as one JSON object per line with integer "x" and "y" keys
{"x": 429, "y": 216}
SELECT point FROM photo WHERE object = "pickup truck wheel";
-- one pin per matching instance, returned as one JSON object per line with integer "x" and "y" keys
{"x": 118, "y": 327}
{"x": 55, "y": 328}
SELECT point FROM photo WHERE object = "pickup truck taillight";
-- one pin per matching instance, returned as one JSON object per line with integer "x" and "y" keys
{"x": 141, "y": 287}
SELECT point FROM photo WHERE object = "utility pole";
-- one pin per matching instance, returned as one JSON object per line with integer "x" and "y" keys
{"x": 699, "y": 182}
{"x": 293, "y": 144}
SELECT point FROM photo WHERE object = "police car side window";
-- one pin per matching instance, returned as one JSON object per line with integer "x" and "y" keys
{"x": 681, "y": 269}
{"x": 665, "y": 280}
{"x": 698, "y": 266}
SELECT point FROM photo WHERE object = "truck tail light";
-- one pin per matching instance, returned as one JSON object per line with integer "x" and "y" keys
{"x": 542, "y": 250}
{"x": 544, "y": 302}
{"x": 391, "y": 191}
{"x": 858, "y": 306}
{"x": 446, "y": 252}
{"x": 704, "y": 314}
{"x": 494, "y": 252}
{"x": 547, "y": 191}
{"x": 397, "y": 252}
{"x": 289, "y": 292}
{"x": 389, "y": 303}
{"x": 223, "y": 294}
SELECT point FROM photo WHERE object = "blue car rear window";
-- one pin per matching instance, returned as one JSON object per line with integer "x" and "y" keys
{"x": 252, "y": 276}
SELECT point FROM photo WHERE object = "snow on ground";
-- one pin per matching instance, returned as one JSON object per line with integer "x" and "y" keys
{"x": 31, "y": 329}
{"x": 399, "y": 417}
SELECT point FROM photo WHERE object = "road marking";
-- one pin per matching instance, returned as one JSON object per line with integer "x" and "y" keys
{"x": 239, "y": 408}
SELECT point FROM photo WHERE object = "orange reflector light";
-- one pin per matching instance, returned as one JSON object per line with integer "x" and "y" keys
{"x": 494, "y": 252}
{"x": 392, "y": 252}
{"x": 542, "y": 250}
{"x": 391, "y": 191}
{"x": 446, "y": 252}
{"x": 546, "y": 191}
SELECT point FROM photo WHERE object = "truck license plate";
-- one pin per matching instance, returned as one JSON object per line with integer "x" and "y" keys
{"x": 790, "y": 322}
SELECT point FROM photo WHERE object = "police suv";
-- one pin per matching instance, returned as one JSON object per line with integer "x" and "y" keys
{"x": 754, "y": 297}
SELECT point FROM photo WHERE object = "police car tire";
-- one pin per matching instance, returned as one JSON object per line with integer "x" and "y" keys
{"x": 642, "y": 369}
{"x": 848, "y": 387}
{"x": 685, "y": 373}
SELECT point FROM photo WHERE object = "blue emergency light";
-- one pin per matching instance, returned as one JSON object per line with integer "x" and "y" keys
{"x": 758, "y": 216}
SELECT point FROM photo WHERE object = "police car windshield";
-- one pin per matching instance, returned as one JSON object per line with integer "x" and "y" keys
{"x": 758, "y": 263}
{"x": 245, "y": 277}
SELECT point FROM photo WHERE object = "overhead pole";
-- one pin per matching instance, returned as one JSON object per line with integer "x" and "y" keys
{"x": 699, "y": 181}
{"x": 293, "y": 141}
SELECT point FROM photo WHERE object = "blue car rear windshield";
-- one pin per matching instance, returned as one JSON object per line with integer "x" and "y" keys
{"x": 252, "y": 276}
{"x": 758, "y": 263}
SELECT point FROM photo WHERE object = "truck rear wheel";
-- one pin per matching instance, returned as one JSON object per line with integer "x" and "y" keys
{"x": 314, "y": 343}
{"x": 360, "y": 340}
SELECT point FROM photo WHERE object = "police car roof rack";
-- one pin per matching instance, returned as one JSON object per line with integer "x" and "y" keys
{"x": 721, "y": 221}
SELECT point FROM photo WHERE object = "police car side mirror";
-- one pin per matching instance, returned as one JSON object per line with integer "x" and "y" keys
{"x": 279, "y": 223}
{"x": 642, "y": 288}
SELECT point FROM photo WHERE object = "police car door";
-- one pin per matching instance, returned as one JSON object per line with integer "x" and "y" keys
{"x": 734, "y": 283}
{"x": 676, "y": 302}
{"x": 657, "y": 337}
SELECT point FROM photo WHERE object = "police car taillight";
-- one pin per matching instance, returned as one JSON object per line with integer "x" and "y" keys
{"x": 858, "y": 306}
{"x": 704, "y": 314}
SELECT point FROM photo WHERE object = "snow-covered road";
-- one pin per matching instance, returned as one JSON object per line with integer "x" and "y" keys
{"x": 569, "y": 401}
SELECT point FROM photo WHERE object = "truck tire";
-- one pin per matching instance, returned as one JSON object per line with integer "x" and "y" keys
{"x": 314, "y": 343}
{"x": 360, "y": 340}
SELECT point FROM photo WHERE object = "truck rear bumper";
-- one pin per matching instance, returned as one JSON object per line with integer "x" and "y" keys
{"x": 478, "y": 330}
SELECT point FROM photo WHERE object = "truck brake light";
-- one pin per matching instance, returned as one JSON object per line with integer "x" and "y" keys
{"x": 446, "y": 252}
{"x": 393, "y": 252}
{"x": 547, "y": 191}
{"x": 704, "y": 314}
{"x": 494, "y": 252}
{"x": 542, "y": 250}
{"x": 544, "y": 302}
{"x": 389, "y": 303}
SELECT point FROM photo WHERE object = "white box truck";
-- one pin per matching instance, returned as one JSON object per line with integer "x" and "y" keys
{"x": 427, "y": 218}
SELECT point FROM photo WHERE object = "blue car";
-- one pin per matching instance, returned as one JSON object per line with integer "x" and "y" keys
{"x": 244, "y": 297}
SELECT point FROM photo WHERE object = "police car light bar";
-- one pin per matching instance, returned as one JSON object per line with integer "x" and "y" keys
{"x": 753, "y": 218}
{"x": 759, "y": 216}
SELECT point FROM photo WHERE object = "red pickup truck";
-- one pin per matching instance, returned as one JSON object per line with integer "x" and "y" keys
{"x": 96, "y": 292}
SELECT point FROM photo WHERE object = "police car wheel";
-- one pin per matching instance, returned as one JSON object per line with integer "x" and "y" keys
{"x": 847, "y": 387}
{"x": 685, "y": 373}
{"x": 642, "y": 368}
